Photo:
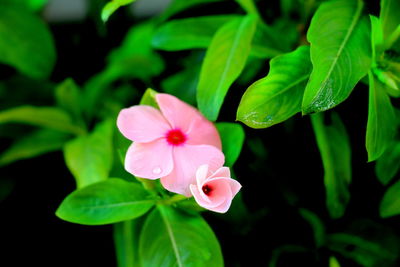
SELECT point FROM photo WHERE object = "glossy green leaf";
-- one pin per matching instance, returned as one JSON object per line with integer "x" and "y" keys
{"x": 388, "y": 165}
{"x": 334, "y": 146}
{"x": 390, "y": 204}
{"x": 381, "y": 120}
{"x": 25, "y": 42}
{"x": 33, "y": 145}
{"x": 232, "y": 137}
{"x": 390, "y": 18}
{"x": 365, "y": 252}
{"x": 112, "y": 6}
{"x": 198, "y": 32}
{"x": 90, "y": 157}
{"x": 48, "y": 117}
{"x": 189, "y": 33}
{"x": 278, "y": 96}
{"x": 340, "y": 53}
{"x": 224, "y": 61}
{"x": 105, "y": 202}
{"x": 171, "y": 238}
{"x": 68, "y": 96}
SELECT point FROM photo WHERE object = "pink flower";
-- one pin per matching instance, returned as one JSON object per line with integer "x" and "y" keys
{"x": 216, "y": 191}
{"x": 169, "y": 144}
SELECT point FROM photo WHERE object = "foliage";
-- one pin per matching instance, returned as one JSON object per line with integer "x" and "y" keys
{"x": 332, "y": 61}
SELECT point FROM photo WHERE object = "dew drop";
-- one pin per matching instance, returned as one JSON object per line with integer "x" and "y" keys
{"x": 157, "y": 170}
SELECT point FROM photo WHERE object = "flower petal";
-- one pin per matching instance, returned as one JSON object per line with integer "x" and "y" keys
{"x": 142, "y": 123}
{"x": 221, "y": 172}
{"x": 203, "y": 132}
{"x": 201, "y": 174}
{"x": 149, "y": 160}
{"x": 187, "y": 159}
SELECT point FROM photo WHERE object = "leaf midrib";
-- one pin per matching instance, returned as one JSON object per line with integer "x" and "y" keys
{"x": 122, "y": 204}
{"x": 342, "y": 45}
{"x": 172, "y": 238}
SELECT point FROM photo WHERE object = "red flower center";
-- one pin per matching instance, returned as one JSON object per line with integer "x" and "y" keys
{"x": 207, "y": 189}
{"x": 176, "y": 137}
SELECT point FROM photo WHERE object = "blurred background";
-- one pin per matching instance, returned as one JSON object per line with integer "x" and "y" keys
{"x": 280, "y": 167}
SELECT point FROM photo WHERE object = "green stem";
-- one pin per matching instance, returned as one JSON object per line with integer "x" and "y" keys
{"x": 124, "y": 240}
{"x": 172, "y": 200}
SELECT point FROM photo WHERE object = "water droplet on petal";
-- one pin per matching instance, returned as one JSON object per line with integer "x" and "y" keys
{"x": 157, "y": 170}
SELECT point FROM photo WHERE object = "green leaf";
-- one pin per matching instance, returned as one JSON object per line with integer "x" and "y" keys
{"x": 183, "y": 84}
{"x": 224, "y": 61}
{"x": 105, "y": 202}
{"x": 123, "y": 63}
{"x": 334, "y": 146}
{"x": 267, "y": 41}
{"x": 68, "y": 96}
{"x": 170, "y": 238}
{"x": 387, "y": 166}
{"x": 363, "y": 251}
{"x": 390, "y": 204}
{"x": 189, "y": 33}
{"x": 340, "y": 53}
{"x": 376, "y": 38}
{"x": 126, "y": 238}
{"x": 381, "y": 120}
{"x": 90, "y": 157}
{"x": 333, "y": 262}
{"x": 33, "y": 145}
{"x": 177, "y": 6}
{"x": 149, "y": 98}
{"x": 34, "y": 5}
{"x": 48, "y": 117}
{"x": 112, "y": 6}
{"x": 390, "y": 18}
{"x": 278, "y": 96}
{"x": 317, "y": 226}
{"x": 248, "y": 6}
{"x": 232, "y": 137}
{"x": 25, "y": 42}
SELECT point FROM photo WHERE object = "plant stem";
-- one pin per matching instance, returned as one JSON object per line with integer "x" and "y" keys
{"x": 124, "y": 240}
{"x": 172, "y": 200}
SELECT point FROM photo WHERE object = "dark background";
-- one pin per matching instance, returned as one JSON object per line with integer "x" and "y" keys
{"x": 280, "y": 170}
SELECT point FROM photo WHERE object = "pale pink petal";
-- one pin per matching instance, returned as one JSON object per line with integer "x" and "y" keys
{"x": 198, "y": 195}
{"x": 187, "y": 159}
{"x": 178, "y": 113}
{"x": 223, "y": 207}
{"x": 149, "y": 160}
{"x": 142, "y": 123}
{"x": 221, "y": 172}
{"x": 235, "y": 187}
{"x": 203, "y": 132}
{"x": 201, "y": 174}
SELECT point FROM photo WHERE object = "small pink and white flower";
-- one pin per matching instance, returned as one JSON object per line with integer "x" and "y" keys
{"x": 214, "y": 191}
{"x": 170, "y": 143}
